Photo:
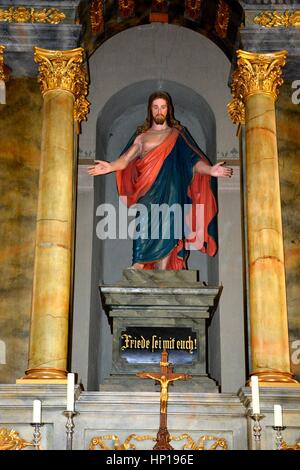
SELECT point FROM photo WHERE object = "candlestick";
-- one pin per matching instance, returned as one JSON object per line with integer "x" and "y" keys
{"x": 36, "y": 415}
{"x": 257, "y": 429}
{"x": 279, "y": 438}
{"x": 36, "y": 441}
{"x": 255, "y": 395}
{"x": 277, "y": 416}
{"x": 70, "y": 428}
{"x": 70, "y": 392}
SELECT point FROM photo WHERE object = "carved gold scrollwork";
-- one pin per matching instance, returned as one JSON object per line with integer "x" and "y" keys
{"x": 222, "y": 18}
{"x": 96, "y": 16}
{"x": 10, "y": 440}
{"x": 31, "y": 15}
{"x": 127, "y": 445}
{"x": 273, "y": 19}
{"x": 236, "y": 111}
{"x": 126, "y": 7}
{"x": 286, "y": 446}
{"x": 219, "y": 442}
{"x": 98, "y": 441}
{"x": 192, "y": 8}
{"x": 255, "y": 73}
{"x": 64, "y": 70}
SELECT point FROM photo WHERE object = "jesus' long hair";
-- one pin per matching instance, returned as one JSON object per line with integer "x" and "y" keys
{"x": 171, "y": 121}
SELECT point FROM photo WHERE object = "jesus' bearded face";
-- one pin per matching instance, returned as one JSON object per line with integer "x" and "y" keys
{"x": 159, "y": 109}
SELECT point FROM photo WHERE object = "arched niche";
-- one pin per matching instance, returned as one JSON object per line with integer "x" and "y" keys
{"x": 123, "y": 71}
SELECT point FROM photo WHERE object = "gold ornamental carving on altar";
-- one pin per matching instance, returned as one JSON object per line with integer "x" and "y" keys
{"x": 255, "y": 73}
{"x": 64, "y": 70}
{"x": 275, "y": 19}
{"x": 31, "y": 15}
{"x": 11, "y": 440}
{"x": 203, "y": 443}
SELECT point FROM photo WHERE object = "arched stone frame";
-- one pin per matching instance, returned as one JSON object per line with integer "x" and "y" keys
{"x": 175, "y": 55}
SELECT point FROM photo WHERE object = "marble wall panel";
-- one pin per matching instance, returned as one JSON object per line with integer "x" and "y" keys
{"x": 20, "y": 137}
{"x": 288, "y": 125}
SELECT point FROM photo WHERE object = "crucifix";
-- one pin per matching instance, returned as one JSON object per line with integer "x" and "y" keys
{"x": 164, "y": 377}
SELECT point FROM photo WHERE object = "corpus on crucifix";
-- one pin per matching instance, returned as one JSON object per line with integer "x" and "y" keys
{"x": 164, "y": 377}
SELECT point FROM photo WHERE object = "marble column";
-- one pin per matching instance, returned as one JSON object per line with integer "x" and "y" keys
{"x": 63, "y": 84}
{"x": 255, "y": 89}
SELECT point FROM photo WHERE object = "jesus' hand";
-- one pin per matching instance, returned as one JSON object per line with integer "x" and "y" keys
{"x": 219, "y": 170}
{"x": 101, "y": 167}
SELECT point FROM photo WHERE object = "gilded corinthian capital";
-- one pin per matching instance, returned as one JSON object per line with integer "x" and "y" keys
{"x": 256, "y": 73}
{"x": 64, "y": 70}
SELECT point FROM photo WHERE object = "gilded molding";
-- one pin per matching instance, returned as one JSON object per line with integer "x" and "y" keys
{"x": 222, "y": 18}
{"x": 126, "y": 7}
{"x": 31, "y": 15}
{"x": 10, "y": 440}
{"x": 193, "y": 8}
{"x": 99, "y": 441}
{"x": 274, "y": 19}
{"x": 96, "y": 16}
{"x": 255, "y": 73}
{"x": 64, "y": 70}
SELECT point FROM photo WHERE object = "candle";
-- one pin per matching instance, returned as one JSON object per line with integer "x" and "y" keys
{"x": 36, "y": 416}
{"x": 277, "y": 416}
{"x": 70, "y": 392}
{"x": 255, "y": 395}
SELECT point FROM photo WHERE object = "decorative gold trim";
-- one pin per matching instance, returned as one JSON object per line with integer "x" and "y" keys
{"x": 64, "y": 70}
{"x": 193, "y": 8}
{"x": 126, "y": 8}
{"x": 31, "y": 15}
{"x": 255, "y": 73}
{"x": 98, "y": 441}
{"x": 285, "y": 446}
{"x": 10, "y": 440}
{"x": 200, "y": 445}
{"x": 96, "y": 16}
{"x": 222, "y": 18}
{"x": 274, "y": 19}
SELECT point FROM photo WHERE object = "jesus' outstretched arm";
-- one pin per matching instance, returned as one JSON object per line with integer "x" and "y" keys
{"x": 103, "y": 167}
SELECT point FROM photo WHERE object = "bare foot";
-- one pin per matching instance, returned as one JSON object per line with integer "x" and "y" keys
{"x": 137, "y": 266}
{"x": 162, "y": 264}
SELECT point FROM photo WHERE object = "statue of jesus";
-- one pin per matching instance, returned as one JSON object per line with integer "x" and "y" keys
{"x": 163, "y": 166}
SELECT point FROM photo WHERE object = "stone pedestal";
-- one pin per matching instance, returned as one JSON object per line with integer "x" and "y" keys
{"x": 154, "y": 310}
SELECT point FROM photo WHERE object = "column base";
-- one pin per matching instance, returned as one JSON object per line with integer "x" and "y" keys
{"x": 44, "y": 375}
{"x": 277, "y": 377}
